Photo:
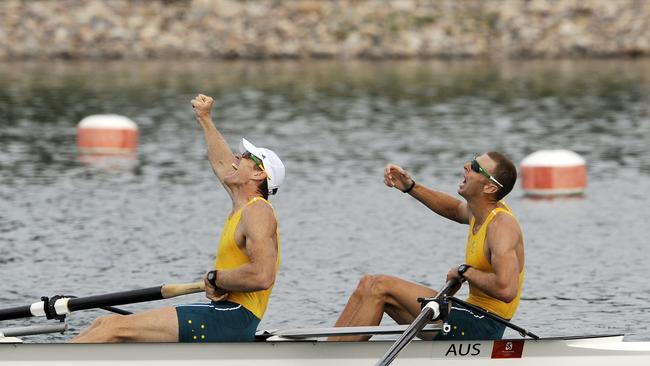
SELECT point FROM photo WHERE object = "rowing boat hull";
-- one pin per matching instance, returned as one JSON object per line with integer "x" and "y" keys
{"x": 567, "y": 351}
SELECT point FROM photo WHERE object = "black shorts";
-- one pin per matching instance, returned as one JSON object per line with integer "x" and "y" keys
{"x": 467, "y": 325}
{"x": 222, "y": 321}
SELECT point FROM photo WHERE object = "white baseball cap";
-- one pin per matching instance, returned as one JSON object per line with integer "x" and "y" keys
{"x": 270, "y": 161}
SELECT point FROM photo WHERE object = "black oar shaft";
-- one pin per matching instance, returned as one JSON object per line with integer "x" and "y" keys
{"x": 493, "y": 317}
{"x": 61, "y": 305}
{"x": 406, "y": 337}
{"x": 15, "y": 313}
{"x": 116, "y": 310}
{"x": 116, "y": 298}
{"x": 416, "y": 326}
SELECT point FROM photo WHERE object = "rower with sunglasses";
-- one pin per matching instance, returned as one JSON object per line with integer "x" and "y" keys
{"x": 494, "y": 255}
{"x": 247, "y": 260}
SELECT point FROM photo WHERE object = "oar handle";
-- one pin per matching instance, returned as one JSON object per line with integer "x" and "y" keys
{"x": 135, "y": 296}
{"x": 178, "y": 289}
{"x": 451, "y": 287}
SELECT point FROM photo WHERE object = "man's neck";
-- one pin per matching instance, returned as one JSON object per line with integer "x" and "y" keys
{"x": 481, "y": 209}
{"x": 243, "y": 195}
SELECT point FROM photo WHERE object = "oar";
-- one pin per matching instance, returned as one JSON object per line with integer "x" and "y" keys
{"x": 59, "y": 306}
{"x": 428, "y": 313}
{"x": 523, "y": 332}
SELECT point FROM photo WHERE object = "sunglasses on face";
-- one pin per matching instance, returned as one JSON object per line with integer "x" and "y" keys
{"x": 256, "y": 160}
{"x": 477, "y": 168}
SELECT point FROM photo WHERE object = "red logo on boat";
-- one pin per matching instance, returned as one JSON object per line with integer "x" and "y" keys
{"x": 507, "y": 349}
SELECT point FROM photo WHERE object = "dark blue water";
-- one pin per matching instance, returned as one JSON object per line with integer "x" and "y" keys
{"x": 76, "y": 229}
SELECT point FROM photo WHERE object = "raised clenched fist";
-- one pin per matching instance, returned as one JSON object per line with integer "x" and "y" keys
{"x": 202, "y": 105}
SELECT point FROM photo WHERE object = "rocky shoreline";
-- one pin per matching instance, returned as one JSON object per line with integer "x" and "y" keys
{"x": 341, "y": 29}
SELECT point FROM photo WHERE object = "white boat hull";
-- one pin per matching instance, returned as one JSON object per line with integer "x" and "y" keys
{"x": 555, "y": 352}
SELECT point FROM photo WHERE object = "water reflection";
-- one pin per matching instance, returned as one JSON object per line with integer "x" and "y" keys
{"x": 591, "y": 106}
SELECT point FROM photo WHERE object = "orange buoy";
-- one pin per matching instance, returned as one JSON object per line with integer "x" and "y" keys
{"x": 107, "y": 134}
{"x": 553, "y": 173}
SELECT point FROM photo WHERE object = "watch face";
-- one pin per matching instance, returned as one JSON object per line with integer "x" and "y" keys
{"x": 211, "y": 276}
{"x": 462, "y": 269}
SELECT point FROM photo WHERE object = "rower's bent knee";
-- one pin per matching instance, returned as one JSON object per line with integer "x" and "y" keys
{"x": 373, "y": 285}
{"x": 100, "y": 322}
{"x": 381, "y": 285}
{"x": 364, "y": 287}
{"x": 113, "y": 328}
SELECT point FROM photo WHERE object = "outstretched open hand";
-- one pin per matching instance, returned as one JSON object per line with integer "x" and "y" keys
{"x": 396, "y": 176}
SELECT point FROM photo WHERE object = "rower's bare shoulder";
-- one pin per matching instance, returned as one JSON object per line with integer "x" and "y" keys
{"x": 504, "y": 228}
{"x": 505, "y": 222}
{"x": 505, "y": 219}
{"x": 259, "y": 213}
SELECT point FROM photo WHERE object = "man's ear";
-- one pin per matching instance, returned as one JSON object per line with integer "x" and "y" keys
{"x": 259, "y": 175}
{"x": 490, "y": 188}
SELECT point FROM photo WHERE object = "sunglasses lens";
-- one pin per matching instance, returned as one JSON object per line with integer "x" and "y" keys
{"x": 475, "y": 167}
{"x": 255, "y": 159}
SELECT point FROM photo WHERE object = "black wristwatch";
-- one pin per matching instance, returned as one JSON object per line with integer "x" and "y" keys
{"x": 462, "y": 269}
{"x": 410, "y": 188}
{"x": 212, "y": 278}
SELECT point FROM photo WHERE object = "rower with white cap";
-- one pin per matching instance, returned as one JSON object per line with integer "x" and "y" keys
{"x": 268, "y": 162}
{"x": 247, "y": 260}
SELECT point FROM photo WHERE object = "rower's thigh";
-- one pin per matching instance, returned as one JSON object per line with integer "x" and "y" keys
{"x": 403, "y": 294}
{"x": 156, "y": 325}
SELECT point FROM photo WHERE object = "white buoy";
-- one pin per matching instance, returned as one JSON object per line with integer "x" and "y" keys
{"x": 107, "y": 134}
{"x": 553, "y": 173}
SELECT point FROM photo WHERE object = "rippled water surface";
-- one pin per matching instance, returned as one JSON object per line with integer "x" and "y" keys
{"x": 72, "y": 228}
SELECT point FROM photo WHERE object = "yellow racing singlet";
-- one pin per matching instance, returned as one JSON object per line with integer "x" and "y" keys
{"x": 230, "y": 256}
{"x": 475, "y": 257}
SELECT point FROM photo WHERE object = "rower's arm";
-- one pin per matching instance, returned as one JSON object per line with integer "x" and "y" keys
{"x": 219, "y": 154}
{"x": 259, "y": 227}
{"x": 502, "y": 238}
{"x": 442, "y": 203}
